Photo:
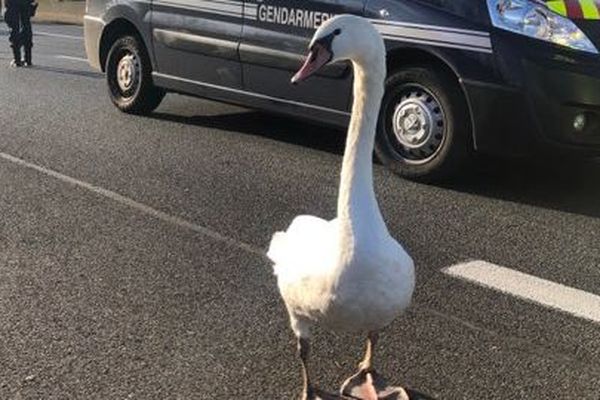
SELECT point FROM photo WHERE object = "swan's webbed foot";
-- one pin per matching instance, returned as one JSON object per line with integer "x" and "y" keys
{"x": 369, "y": 385}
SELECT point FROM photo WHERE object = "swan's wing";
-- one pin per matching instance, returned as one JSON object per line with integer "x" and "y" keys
{"x": 308, "y": 246}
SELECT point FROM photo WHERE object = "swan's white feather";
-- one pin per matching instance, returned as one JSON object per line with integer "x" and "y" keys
{"x": 304, "y": 257}
{"x": 304, "y": 249}
{"x": 321, "y": 282}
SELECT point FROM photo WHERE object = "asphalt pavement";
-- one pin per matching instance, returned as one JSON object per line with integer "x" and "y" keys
{"x": 131, "y": 262}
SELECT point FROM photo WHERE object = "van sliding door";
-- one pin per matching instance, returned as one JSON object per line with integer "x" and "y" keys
{"x": 197, "y": 40}
{"x": 275, "y": 42}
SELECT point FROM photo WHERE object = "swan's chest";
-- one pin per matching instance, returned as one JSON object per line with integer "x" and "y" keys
{"x": 369, "y": 296}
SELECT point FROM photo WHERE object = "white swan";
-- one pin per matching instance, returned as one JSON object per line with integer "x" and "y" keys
{"x": 347, "y": 274}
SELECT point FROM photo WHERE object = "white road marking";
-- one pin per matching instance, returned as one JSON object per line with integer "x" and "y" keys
{"x": 136, "y": 205}
{"x": 70, "y": 58}
{"x": 58, "y": 35}
{"x": 547, "y": 293}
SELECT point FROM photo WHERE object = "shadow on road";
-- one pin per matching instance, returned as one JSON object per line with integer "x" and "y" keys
{"x": 569, "y": 185}
{"x": 414, "y": 395}
{"x": 269, "y": 126}
{"x": 563, "y": 184}
{"x": 65, "y": 71}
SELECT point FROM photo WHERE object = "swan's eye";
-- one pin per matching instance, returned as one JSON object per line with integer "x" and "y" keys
{"x": 337, "y": 31}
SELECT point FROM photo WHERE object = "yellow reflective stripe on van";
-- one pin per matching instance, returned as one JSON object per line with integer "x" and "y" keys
{"x": 590, "y": 9}
{"x": 576, "y": 9}
{"x": 558, "y": 6}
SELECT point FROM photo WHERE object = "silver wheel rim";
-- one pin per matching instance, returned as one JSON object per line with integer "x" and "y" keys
{"x": 128, "y": 72}
{"x": 418, "y": 125}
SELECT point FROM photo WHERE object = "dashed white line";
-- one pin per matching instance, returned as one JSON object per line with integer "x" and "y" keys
{"x": 58, "y": 35}
{"x": 71, "y": 58}
{"x": 528, "y": 287}
{"x": 182, "y": 223}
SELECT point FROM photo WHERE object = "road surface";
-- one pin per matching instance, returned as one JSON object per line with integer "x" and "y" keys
{"x": 131, "y": 261}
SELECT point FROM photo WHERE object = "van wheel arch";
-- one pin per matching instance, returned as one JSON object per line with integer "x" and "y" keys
{"x": 400, "y": 56}
{"x": 116, "y": 29}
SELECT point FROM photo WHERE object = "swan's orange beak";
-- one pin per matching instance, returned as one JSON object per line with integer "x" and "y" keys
{"x": 319, "y": 56}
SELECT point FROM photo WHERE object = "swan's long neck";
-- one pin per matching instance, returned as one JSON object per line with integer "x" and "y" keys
{"x": 358, "y": 210}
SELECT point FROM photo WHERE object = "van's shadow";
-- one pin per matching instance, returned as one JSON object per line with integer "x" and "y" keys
{"x": 269, "y": 126}
{"x": 563, "y": 184}
{"x": 5, "y": 59}
{"x": 552, "y": 182}
{"x": 65, "y": 71}
{"x": 414, "y": 395}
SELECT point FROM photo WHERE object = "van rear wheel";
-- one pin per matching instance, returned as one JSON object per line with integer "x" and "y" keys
{"x": 424, "y": 129}
{"x": 129, "y": 77}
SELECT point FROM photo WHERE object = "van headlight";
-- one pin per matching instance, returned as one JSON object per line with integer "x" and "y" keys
{"x": 532, "y": 18}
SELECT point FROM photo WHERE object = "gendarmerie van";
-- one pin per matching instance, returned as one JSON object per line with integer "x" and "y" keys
{"x": 507, "y": 77}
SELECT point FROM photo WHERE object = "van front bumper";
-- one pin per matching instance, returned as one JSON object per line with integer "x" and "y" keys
{"x": 565, "y": 103}
{"x": 547, "y": 97}
{"x": 92, "y": 29}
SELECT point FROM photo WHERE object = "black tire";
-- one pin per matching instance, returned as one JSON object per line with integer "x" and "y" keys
{"x": 436, "y": 101}
{"x": 136, "y": 94}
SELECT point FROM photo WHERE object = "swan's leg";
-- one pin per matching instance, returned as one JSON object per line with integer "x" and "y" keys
{"x": 303, "y": 352}
{"x": 367, "y": 362}
{"x": 309, "y": 392}
{"x": 367, "y": 384}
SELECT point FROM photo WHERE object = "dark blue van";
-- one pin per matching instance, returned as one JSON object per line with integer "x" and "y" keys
{"x": 488, "y": 76}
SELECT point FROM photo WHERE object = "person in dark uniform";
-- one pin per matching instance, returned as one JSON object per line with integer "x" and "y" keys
{"x": 18, "y": 18}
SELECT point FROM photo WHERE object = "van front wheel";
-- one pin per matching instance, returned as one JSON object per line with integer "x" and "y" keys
{"x": 424, "y": 128}
{"x": 129, "y": 77}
